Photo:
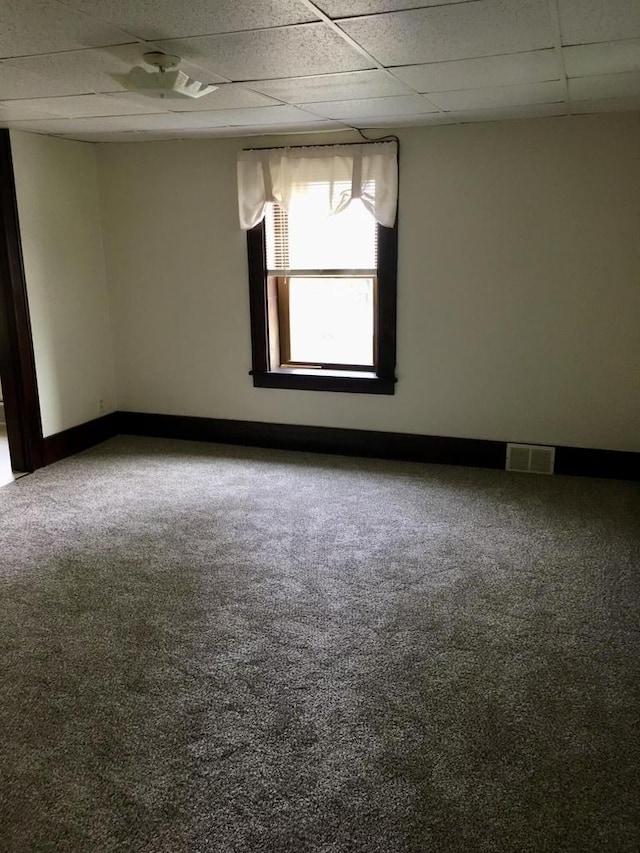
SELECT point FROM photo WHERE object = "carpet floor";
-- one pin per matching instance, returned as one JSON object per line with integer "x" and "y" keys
{"x": 208, "y": 648}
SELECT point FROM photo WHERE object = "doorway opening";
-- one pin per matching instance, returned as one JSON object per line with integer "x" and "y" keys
{"x": 21, "y": 433}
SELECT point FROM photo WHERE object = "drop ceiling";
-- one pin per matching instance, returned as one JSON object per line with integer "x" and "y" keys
{"x": 295, "y": 65}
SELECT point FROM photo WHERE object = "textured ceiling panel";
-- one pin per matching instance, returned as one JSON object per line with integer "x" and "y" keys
{"x": 74, "y": 73}
{"x": 280, "y": 129}
{"x": 509, "y": 113}
{"x": 38, "y": 26}
{"x": 19, "y": 83}
{"x": 60, "y": 125}
{"x": 605, "y": 58}
{"x": 84, "y": 71}
{"x": 332, "y": 87}
{"x": 228, "y": 96}
{"x": 286, "y": 52}
{"x": 25, "y": 110}
{"x": 458, "y": 31}
{"x": 605, "y": 86}
{"x": 170, "y": 121}
{"x": 381, "y": 122}
{"x": 349, "y": 8}
{"x": 203, "y": 132}
{"x": 500, "y": 96}
{"x": 82, "y": 106}
{"x": 487, "y": 71}
{"x": 124, "y": 136}
{"x": 371, "y": 107}
{"x": 166, "y": 19}
{"x": 609, "y": 105}
{"x": 239, "y": 118}
{"x": 583, "y": 21}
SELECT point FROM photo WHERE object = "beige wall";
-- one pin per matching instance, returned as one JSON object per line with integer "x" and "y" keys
{"x": 519, "y": 285}
{"x": 60, "y": 226}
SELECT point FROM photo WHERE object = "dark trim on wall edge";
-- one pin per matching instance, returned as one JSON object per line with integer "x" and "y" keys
{"x": 17, "y": 360}
{"x": 344, "y": 442}
{"x": 81, "y": 437}
{"x": 589, "y": 462}
{"x": 473, "y": 452}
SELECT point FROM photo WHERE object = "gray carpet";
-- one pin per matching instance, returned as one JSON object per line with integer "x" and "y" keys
{"x": 222, "y": 649}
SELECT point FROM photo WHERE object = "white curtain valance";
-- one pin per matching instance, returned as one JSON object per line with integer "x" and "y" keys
{"x": 368, "y": 172}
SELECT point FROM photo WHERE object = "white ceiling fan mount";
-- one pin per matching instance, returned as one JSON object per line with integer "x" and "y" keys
{"x": 162, "y": 61}
{"x": 166, "y": 82}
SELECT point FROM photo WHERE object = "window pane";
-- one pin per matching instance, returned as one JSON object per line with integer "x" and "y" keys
{"x": 309, "y": 239}
{"x": 331, "y": 320}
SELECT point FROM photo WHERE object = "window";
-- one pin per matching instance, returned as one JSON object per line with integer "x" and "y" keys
{"x": 323, "y": 290}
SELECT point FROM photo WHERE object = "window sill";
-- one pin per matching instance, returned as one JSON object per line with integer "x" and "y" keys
{"x": 355, "y": 382}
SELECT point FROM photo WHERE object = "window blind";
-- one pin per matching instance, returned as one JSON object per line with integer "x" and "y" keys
{"x": 304, "y": 240}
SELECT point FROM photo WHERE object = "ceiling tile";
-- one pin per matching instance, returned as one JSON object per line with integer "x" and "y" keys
{"x": 41, "y": 26}
{"x": 371, "y": 107}
{"x": 605, "y": 58}
{"x": 583, "y": 21}
{"x": 123, "y": 136}
{"x": 82, "y": 106}
{"x": 261, "y": 54}
{"x": 23, "y": 110}
{"x": 509, "y": 113}
{"x": 265, "y": 129}
{"x": 332, "y": 87}
{"x": 425, "y": 120}
{"x": 609, "y": 105}
{"x": 19, "y": 83}
{"x": 458, "y": 31}
{"x": 166, "y": 121}
{"x": 513, "y": 68}
{"x": 272, "y": 116}
{"x": 228, "y": 96}
{"x": 76, "y": 73}
{"x": 279, "y": 115}
{"x": 500, "y": 96}
{"x": 203, "y": 132}
{"x": 349, "y": 8}
{"x": 83, "y": 71}
{"x": 239, "y": 118}
{"x": 166, "y": 19}
{"x": 605, "y": 86}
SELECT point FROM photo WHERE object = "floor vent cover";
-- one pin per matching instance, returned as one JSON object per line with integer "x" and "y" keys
{"x": 530, "y": 458}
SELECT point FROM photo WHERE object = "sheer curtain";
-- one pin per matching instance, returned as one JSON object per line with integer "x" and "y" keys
{"x": 338, "y": 174}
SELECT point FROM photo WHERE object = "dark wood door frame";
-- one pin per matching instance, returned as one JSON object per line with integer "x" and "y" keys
{"x": 17, "y": 362}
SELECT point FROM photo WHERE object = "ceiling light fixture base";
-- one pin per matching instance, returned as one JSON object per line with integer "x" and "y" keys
{"x": 166, "y": 83}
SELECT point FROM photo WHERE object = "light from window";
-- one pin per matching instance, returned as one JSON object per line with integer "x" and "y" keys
{"x": 323, "y": 274}
{"x": 331, "y": 320}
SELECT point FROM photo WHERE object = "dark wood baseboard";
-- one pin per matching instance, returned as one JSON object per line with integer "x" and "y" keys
{"x": 343, "y": 442}
{"x": 588, "y": 462}
{"x": 478, "y": 453}
{"x": 384, "y": 445}
{"x": 75, "y": 439}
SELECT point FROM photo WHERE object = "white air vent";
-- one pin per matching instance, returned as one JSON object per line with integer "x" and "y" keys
{"x": 530, "y": 458}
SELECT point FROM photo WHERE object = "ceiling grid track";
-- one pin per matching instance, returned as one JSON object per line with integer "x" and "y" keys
{"x": 354, "y": 44}
{"x": 554, "y": 14}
